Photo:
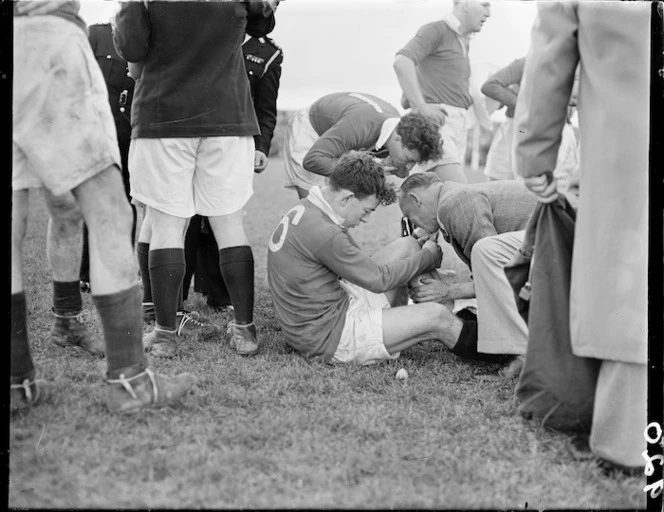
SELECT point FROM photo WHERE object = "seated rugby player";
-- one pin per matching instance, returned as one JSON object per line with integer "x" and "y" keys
{"x": 337, "y": 304}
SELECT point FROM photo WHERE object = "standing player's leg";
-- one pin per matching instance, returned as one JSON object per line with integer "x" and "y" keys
{"x": 117, "y": 296}
{"x": 236, "y": 263}
{"x": 25, "y": 390}
{"x": 166, "y": 264}
{"x": 64, "y": 249}
{"x": 142, "y": 255}
{"x": 229, "y": 162}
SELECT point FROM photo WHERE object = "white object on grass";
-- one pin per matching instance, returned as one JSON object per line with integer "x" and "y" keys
{"x": 402, "y": 374}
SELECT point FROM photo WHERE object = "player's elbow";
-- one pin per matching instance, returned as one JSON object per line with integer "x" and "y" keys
{"x": 316, "y": 163}
{"x": 401, "y": 64}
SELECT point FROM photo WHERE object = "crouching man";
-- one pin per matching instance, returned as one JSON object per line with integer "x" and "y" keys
{"x": 337, "y": 304}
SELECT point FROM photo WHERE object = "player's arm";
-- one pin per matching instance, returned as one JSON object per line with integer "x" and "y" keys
{"x": 349, "y": 262}
{"x": 405, "y": 67}
{"x": 131, "y": 31}
{"x": 546, "y": 88}
{"x": 324, "y": 154}
{"x": 497, "y": 86}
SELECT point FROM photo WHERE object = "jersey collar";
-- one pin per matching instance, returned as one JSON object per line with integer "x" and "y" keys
{"x": 389, "y": 125}
{"x": 316, "y": 198}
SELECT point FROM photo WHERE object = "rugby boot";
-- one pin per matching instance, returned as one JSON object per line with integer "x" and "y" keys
{"x": 128, "y": 393}
{"x": 70, "y": 331}
{"x": 161, "y": 343}
{"x": 243, "y": 338}
{"x": 191, "y": 323}
{"x": 29, "y": 393}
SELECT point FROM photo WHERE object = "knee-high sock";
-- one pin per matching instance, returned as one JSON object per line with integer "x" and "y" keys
{"x": 166, "y": 272}
{"x": 122, "y": 323}
{"x": 142, "y": 252}
{"x": 67, "y": 297}
{"x": 237, "y": 268}
{"x": 21, "y": 360}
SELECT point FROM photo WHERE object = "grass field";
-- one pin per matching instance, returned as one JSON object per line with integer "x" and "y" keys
{"x": 275, "y": 431}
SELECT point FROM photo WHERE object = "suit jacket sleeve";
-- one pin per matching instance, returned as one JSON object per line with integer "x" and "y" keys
{"x": 131, "y": 31}
{"x": 546, "y": 87}
{"x": 265, "y": 104}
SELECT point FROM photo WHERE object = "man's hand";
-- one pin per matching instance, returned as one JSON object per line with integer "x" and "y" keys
{"x": 260, "y": 162}
{"x": 431, "y": 288}
{"x": 38, "y": 7}
{"x": 432, "y": 246}
{"x": 509, "y": 111}
{"x": 437, "y": 112}
{"x": 421, "y": 235}
{"x": 400, "y": 170}
{"x": 543, "y": 186}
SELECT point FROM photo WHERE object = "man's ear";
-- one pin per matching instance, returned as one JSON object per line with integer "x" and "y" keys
{"x": 346, "y": 197}
{"x": 412, "y": 196}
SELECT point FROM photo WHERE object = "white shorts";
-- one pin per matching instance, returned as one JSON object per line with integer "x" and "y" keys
{"x": 208, "y": 176}
{"x": 62, "y": 127}
{"x": 362, "y": 336}
{"x": 454, "y": 135}
{"x": 299, "y": 139}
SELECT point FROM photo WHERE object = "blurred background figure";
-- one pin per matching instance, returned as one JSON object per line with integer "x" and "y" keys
{"x": 503, "y": 87}
{"x": 433, "y": 70}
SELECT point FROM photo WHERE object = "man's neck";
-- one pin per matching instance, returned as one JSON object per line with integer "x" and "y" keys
{"x": 463, "y": 27}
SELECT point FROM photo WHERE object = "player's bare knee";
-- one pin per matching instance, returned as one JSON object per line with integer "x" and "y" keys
{"x": 436, "y": 314}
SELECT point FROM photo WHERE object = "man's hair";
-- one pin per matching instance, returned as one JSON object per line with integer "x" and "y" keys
{"x": 364, "y": 176}
{"x": 420, "y": 133}
{"x": 419, "y": 180}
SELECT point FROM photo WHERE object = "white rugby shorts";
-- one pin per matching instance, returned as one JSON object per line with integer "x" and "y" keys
{"x": 362, "y": 336}
{"x": 454, "y": 136}
{"x": 300, "y": 137}
{"x": 62, "y": 127}
{"x": 208, "y": 176}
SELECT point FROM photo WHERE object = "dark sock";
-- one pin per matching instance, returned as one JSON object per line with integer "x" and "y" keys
{"x": 166, "y": 273}
{"x": 21, "y": 361}
{"x": 84, "y": 274}
{"x": 122, "y": 324}
{"x": 67, "y": 297}
{"x": 142, "y": 252}
{"x": 237, "y": 268}
{"x": 181, "y": 298}
{"x": 466, "y": 345}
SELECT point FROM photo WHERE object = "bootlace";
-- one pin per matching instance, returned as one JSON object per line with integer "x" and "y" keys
{"x": 25, "y": 386}
{"x": 126, "y": 383}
